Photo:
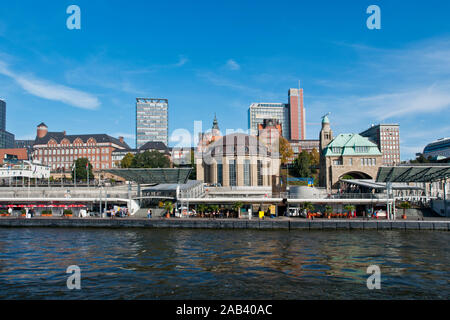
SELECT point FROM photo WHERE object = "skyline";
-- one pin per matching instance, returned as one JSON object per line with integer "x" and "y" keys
{"x": 71, "y": 79}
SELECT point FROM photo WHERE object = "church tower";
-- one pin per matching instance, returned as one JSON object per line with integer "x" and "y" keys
{"x": 326, "y": 135}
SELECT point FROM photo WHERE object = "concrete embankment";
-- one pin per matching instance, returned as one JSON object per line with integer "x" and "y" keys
{"x": 286, "y": 224}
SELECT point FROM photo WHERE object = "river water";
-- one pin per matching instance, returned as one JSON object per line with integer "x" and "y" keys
{"x": 223, "y": 264}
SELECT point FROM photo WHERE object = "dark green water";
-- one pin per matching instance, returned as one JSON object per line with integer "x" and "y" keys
{"x": 220, "y": 264}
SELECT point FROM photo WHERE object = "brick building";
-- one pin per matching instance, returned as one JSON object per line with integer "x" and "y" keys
{"x": 59, "y": 150}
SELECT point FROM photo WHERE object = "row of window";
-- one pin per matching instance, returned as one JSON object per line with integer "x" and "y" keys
{"x": 72, "y": 158}
{"x": 232, "y": 173}
{"x": 69, "y": 166}
{"x": 71, "y": 151}
{"x": 364, "y": 162}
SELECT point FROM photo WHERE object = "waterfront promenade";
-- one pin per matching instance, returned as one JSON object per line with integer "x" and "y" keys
{"x": 198, "y": 223}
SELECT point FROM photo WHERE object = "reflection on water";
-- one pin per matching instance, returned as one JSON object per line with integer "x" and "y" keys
{"x": 225, "y": 264}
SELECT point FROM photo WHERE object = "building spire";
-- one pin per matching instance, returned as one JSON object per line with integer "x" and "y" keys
{"x": 215, "y": 123}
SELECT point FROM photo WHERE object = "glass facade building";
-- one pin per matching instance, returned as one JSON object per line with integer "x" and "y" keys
{"x": 290, "y": 115}
{"x": 2, "y": 115}
{"x": 260, "y": 111}
{"x": 6, "y": 138}
{"x": 152, "y": 121}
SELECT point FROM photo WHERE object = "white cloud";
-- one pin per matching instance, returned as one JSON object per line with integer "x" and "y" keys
{"x": 181, "y": 62}
{"x": 51, "y": 91}
{"x": 232, "y": 65}
{"x": 125, "y": 135}
{"x": 411, "y": 103}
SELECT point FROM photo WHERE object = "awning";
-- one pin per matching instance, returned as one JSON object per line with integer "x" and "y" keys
{"x": 414, "y": 173}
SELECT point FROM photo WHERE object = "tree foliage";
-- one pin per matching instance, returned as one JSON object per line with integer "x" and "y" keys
{"x": 308, "y": 206}
{"x": 127, "y": 161}
{"x": 421, "y": 159}
{"x": 150, "y": 159}
{"x": 302, "y": 165}
{"x": 82, "y": 173}
{"x": 285, "y": 150}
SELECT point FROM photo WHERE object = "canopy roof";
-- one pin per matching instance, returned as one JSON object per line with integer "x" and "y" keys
{"x": 371, "y": 184}
{"x": 414, "y": 173}
{"x": 154, "y": 175}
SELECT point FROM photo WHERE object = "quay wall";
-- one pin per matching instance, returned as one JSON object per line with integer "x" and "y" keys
{"x": 291, "y": 224}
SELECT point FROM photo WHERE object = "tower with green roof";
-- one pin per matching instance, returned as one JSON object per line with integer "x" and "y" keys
{"x": 348, "y": 154}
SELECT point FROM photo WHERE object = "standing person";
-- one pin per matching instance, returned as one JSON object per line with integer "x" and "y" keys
{"x": 10, "y": 211}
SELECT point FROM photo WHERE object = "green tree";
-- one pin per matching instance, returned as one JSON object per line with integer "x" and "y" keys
{"x": 308, "y": 206}
{"x": 127, "y": 161}
{"x": 202, "y": 208}
{"x": 168, "y": 206}
{"x": 150, "y": 159}
{"x": 285, "y": 150}
{"x": 302, "y": 165}
{"x": 328, "y": 210}
{"x": 349, "y": 208}
{"x": 82, "y": 173}
{"x": 405, "y": 205}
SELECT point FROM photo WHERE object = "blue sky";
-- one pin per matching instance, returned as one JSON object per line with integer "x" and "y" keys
{"x": 217, "y": 56}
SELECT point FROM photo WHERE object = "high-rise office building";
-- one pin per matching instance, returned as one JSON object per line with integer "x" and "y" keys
{"x": 290, "y": 115}
{"x": 6, "y": 138}
{"x": 387, "y": 137}
{"x": 297, "y": 115}
{"x": 2, "y": 115}
{"x": 152, "y": 121}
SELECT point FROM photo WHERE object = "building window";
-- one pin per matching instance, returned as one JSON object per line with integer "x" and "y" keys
{"x": 337, "y": 162}
{"x": 220, "y": 174}
{"x": 247, "y": 179}
{"x": 362, "y": 149}
{"x": 259, "y": 173}
{"x": 232, "y": 172}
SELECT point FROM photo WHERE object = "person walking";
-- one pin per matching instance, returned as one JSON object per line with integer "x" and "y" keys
{"x": 149, "y": 213}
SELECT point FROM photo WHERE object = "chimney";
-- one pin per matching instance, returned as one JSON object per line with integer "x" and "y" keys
{"x": 121, "y": 139}
{"x": 64, "y": 132}
{"x": 42, "y": 130}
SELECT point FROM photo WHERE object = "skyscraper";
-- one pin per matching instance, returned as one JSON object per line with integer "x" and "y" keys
{"x": 6, "y": 138}
{"x": 291, "y": 116}
{"x": 297, "y": 115}
{"x": 152, "y": 121}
